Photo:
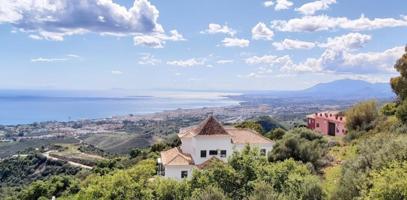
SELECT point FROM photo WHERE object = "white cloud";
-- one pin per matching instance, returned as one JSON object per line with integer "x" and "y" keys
{"x": 312, "y": 7}
{"x": 187, "y": 63}
{"x": 348, "y": 41}
{"x": 41, "y": 59}
{"x": 279, "y": 4}
{"x": 56, "y": 19}
{"x": 62, "y": 59}
{"x": 148, "y": 59}
{"x": 217, "y": 28}
{"x": 268, "y": 4}
{"x": 224, "y": 61}
{"x": 323, "y": 23}
{"x": 262, "y": 32}
{"x": 157, "y": 40}
{"x": 293, "y": 44}
{"x": 116, "y": 72}
{"x": 235, "y": 42}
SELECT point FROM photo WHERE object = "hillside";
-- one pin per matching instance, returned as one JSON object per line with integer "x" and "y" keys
{"x": 346, "y": 89}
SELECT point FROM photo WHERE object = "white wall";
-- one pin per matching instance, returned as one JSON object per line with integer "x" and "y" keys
{"x": 186, "y": 145}
{"x": 213, "y": 142}
{"x": 173, "y": 171}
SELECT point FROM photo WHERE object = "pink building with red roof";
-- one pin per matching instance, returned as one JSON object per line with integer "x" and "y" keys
{"x": 328, "y": 123}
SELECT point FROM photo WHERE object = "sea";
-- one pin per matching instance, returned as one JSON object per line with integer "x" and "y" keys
{"x": 29, "y": 106}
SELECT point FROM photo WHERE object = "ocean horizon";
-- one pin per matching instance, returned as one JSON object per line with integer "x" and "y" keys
{"x": 30, "y": 107}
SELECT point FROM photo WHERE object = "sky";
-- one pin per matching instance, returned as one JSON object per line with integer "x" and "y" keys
{"x": 197, "y": 45}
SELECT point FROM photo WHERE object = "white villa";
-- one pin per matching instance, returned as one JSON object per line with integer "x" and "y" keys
{"x": 205, "y": 141}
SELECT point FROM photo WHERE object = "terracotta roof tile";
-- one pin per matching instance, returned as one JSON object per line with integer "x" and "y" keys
{"x": 210, "y": 126}
{"x": 175, "y": 156}
{"x": 246, "y": 136}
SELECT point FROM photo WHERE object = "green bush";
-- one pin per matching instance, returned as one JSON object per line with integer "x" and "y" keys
{"x": 389, "y": 109}
{"x": 301, "y": 144}
{"x": 276, "y": 134}
{"x": 362, "y": 116}
{"x": 401, "y": 112}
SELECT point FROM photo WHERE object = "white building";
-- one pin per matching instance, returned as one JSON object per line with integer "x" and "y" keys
{"x": 207, "y": 140}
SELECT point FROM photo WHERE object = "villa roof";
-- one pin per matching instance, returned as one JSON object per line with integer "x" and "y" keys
{"x": 246, "y": 136}
{"x": 210, "y": 126}
{"x": 175, "y": 156}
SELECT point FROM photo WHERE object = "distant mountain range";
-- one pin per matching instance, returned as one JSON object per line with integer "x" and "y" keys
{"x": 339, "y": 89}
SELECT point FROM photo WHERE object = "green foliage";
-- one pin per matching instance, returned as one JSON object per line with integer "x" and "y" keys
{"x": 302, "y": 145}
{"x": 251, "y": 125}
{"x": 399, "y": 84}
{"x": 401, "y": 112}
{"x": 291, "y": 180}
{"x": 373, "y": 153}
{"x": 389, "y": 183}
{"x": 123, "y": 184}
{"x": 209, "y": 193}
{"x": 276, "y": 134}
{"x": 56, "y": 186}
{"x": 169, "y": 189}
{"x": 389, "y": 109}
{"x": 362, "y": 116}
{"x": 26, "y": 169}
{"x": 262, "y": 124}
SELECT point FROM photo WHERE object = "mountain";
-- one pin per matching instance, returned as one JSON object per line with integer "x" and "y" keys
{"x": 339, "y": 89}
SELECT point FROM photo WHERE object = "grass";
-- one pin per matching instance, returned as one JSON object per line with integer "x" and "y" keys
{"x": 332, "y": 173}
{"x": 71, "y": 152}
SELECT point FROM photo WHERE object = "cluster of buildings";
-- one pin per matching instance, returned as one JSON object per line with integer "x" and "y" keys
{"x": 210, "y": 140}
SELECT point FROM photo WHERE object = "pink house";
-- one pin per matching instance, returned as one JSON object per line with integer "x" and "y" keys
{"x": 328, "y": 123}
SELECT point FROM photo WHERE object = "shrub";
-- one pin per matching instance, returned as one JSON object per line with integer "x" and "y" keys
{"x": 401, "y": 112}
{"x": 301, "y": 144}
{"x": 276, "y": 134}
{"x": 362, "y": 116}
{"x": 389, "y": 109}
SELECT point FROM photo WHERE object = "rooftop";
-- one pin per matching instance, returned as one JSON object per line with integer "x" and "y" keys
{"x": 175, "y": 156}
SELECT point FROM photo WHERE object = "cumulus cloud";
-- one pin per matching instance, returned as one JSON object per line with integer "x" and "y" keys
{"x": 187, "y": 63}
{"x": 157, "y": 40}
{"x": 56, "y": 19}
{"x": 279, "y": 4}
{"x": 324, "y": 23}
{"x": 293, "y": 44}
{"x": 235, "y": 42}
{"x": 217, "y": 28}
{"x": 262, "y": 32}
{"x": 312, "y": 7}
{"x": 341, "y": 55}
{"x": 347, "y": 42}
{"x": 148, "y": 59}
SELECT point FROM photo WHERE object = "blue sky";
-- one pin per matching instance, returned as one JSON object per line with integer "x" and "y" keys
{"x": 202, "y": 45}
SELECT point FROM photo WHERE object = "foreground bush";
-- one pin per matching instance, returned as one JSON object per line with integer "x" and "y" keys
{"x": 362, "y": 116}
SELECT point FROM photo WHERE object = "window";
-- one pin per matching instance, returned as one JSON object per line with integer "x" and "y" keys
{"x": 223, "y": 153}
{"x": 203, "y": 153}
{"x": 184, "y": 174}
{"x": 263, "y": 152}
{"x": 317, "y": 125}
{"x": 213, "y": 152}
